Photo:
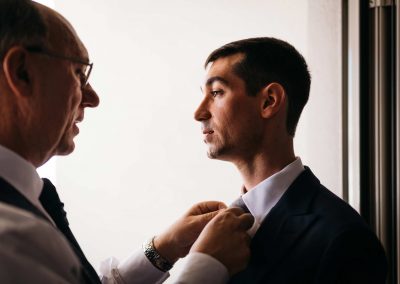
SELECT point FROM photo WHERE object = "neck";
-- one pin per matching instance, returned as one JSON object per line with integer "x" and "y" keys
{"x": 17, "y": 147}
{"x": 266, "y": 163}
{"x": 13, "y": 139}
{"x": 18, "y": 130}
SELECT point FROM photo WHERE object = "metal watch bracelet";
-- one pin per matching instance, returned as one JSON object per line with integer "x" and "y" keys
{"x": 155, "y": 258}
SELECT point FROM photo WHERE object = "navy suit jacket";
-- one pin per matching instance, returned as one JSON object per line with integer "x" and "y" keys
{"x": 312, "y": 236}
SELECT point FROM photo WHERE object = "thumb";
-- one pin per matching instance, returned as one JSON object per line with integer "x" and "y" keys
{"x": 246, "y": 221}
{"x": 207, "y": 217}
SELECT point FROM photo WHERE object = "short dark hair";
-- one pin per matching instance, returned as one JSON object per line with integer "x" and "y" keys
{"x": 268, "y": 60}
{"x": 20, "y": 24}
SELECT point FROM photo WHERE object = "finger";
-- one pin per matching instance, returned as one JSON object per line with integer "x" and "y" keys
{"x": 247, "y": 239}
{"x": 246, "y": 221}
{"x": 206, "y": 207}
{"x": 200, "y": 221}
{"x": 207, "y": 217}
{"x": 235, "y": 210}
{"x": 222, "y": 205}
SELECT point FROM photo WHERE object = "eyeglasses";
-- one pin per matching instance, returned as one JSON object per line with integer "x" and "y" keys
{"x": 85, "y": 72}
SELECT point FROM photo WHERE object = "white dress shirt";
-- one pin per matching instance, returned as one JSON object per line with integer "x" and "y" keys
{"x": 36, "y": 248}
{"x": 265, "y": 195}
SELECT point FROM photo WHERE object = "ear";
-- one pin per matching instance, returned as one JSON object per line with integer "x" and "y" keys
{"x": 273, "y": 99}
{"x": 16, "y": 71}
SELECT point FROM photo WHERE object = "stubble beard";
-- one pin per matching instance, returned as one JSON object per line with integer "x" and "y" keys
{"x": 211, "y": 154}
{"x": 217, "y": 151}
{"x": 220, "y": 148}
{"x": 213, "y": 151}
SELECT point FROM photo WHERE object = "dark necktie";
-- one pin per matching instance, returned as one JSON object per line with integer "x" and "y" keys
{"x": 240, "y": 203}
{"x": 55, "y": 208}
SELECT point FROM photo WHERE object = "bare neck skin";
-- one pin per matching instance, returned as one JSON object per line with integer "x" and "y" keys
{"x": 16, "y": 135}
{"x": 273, "y": 157}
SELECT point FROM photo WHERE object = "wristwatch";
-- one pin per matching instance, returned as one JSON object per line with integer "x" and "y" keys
{"x": 154, "y": 256}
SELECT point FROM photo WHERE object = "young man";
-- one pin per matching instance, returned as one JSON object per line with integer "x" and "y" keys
{"x": 254, "y": 92}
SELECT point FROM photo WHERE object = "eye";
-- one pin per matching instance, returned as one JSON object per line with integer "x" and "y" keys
{"x": 215, "y": 93}
{"x": 81, "y": 75}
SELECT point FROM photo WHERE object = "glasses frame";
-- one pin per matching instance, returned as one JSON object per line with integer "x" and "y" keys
{"x": 41, "y": 50}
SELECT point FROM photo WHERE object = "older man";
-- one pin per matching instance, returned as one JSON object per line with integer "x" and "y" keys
{"x": 254, "y": 92}
{"x": 44, "y": 91}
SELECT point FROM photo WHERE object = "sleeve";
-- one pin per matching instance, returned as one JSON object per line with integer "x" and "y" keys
{"x": 137, "y": 269}
{"x": 201, "y": 268}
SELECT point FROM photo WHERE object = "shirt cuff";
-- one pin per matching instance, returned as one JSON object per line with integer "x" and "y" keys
{"x": 138, "y": 269}
{"x": 201, "y": 268}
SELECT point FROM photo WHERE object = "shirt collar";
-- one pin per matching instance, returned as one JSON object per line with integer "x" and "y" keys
{"x": 264, "y": 196}
{"x": 21, "y": 174}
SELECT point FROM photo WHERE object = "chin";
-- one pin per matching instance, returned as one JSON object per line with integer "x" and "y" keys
{"x": 211, "y": 155}
{"x": 213, "y": 152}
{"x": 65, "y": 148}
{"x": 220, "y": 153}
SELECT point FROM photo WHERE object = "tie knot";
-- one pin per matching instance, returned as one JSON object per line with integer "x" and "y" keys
{"x": 240, "y": 203}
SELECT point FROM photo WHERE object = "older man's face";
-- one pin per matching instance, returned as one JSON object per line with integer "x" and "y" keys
{"x": 62, "y": 98}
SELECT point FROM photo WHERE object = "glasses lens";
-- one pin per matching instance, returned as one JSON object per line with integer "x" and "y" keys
{"x": 87, "y": 72}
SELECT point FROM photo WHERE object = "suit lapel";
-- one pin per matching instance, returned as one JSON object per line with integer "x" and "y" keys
{"x": 11, "y": 196}
{"x": 283, "y": 226}
{"x": 55, "y": 208}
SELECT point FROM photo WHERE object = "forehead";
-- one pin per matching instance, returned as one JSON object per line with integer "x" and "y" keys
{"x": 222, "y": 69}
{"x": 62, "y": 37}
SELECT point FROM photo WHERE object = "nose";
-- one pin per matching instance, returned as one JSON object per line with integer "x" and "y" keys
{"x": 202, "y": 112}
{"x": 90, "y": 97}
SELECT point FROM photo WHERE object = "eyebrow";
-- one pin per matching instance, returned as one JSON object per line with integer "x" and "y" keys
{"x": 86, "y": 59}
{"x": 216, "y": 79}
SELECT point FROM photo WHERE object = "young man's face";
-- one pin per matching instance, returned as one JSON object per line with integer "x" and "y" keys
{"x": 230, "y": 118}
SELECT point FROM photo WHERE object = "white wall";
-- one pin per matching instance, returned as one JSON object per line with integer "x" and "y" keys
{"x": 319, "y": 137}
{"x": 140, "y": 161}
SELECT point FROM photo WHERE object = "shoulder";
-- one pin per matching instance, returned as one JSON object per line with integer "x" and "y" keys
{"x": 17, "y": 223}
{"x": 349, "y": 248}
{"x": 323, "y": 202}
{"x": 34, "y": 247}
{"x": 334, "y": 219}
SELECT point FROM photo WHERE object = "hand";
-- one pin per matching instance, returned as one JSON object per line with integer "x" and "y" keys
{"x": 177, "y": 240}
{"x": 225, "y": 239}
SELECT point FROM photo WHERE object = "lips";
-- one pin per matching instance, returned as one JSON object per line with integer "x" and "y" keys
{"x": 208, "y": 131}
{"x": 208, "y": 134}
{"x": 75, "y": 129}
{"x": 79, "y": 118}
